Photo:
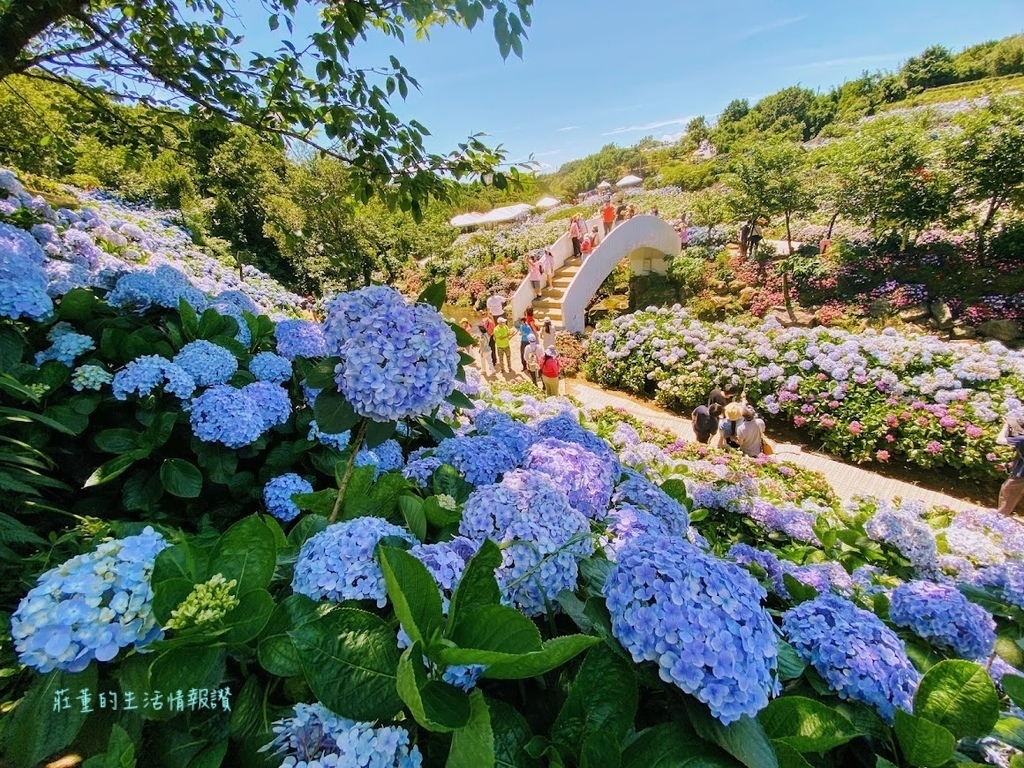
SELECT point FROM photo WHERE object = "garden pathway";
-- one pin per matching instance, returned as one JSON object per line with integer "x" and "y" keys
{"x": 847, "y": 481}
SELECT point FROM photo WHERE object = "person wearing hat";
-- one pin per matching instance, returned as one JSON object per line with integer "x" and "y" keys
{"x": 728, "y": 427}
{"x": 533, "y": 353}
{"x": 1012, "y": 434}
{"x": 549, "y": 370}
{"x": 547, "y": 332}
{"x": 525, "y": 331}
{"x": 501, "y": 344}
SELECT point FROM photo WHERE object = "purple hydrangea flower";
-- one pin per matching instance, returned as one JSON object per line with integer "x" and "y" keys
{"x": 941, "y": 614}
{"x": 587, "y": 478}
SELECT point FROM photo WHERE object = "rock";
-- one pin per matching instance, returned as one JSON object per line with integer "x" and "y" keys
{"x": 961, "y": 332}
{"x": 610, "y": 307}
{"x": 942, "y": 314}
{"x": 721, "y": 302}
{"x": 800, "y": 319}
{"x": 717, "y": 285}
{"x": 915, "y": 314}
{"x": 747, "y": 296}
{"x": 737, "y": 285}
{"x": 1000, "y": 330}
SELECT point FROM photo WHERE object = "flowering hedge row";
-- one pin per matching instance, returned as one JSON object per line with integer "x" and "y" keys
{"x": 866, "y": 396}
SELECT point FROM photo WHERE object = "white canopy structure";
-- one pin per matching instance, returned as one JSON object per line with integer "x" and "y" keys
{"x": 605, "y": 185}
{"x": 629, "y": 181}
{"x": 546, "y": 202}
{"x": 464, "y": 220}
{"x": 507, "y": 213}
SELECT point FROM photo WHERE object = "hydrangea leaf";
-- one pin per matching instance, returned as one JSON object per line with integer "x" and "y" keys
{"x": 77, "y": 304}
{"x": 791, "y": 666}
{"x": 319, "y": 503}
{"x": 434, "y": 294}
{"x": 960, "y": 696}
{"x": 35, "y": 731}
{"x": 603, "y": 698}
{"x": 115, "y": 467}
{"x": 333, "y": 413}
{"x": 924, "y": 743}
{"x": 276, "y": 651}
{"x": 1014, "y": 687}
{"x": 120, "y": 752}
{"x": 412, "y": 508}
{"x": 791, "y": 758}
{"x": 601, "y": 750}
{"x": 181, "y": 478}
{"x": 117, "y": 441}
{"x": 350, "y": 662}
{"x": 507, "y": 666}
{"x": 182, "y": 669}
{"x": 379, "y": 431}
{"x": 435, "y": 705}
{"x": 497, "y": 628}
{"x": 806, "y": 725}
{"x": 247, "y": 553}
{"x": 473, "y": 744}
{"x": 477, "y": 587}
{"x": 247, "y": 619}
{"x": 744, "y": 739}
{"x": 671, "y": 745}
{"x": 413, "y": 594}
{"x": 511, "y": 735}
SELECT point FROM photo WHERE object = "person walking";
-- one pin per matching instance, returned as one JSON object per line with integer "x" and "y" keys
{"x": 534, "y": 272}
{"x": 1012, "y": 434}
{"x": 533, "y": 355}
{"x": 608, "y": 216}
{"x": 489, "y": 326}
{"x": 525, "y": 332}
{"x": 548, "y": 262}
{"x": 705, "y": 421}
{"x": 576, "y": 235}
{"x": 484, "y": 347}
{"x": 549, "y": 370}
{"x": 502, "y": 334}
{"x": 547, "y": 332}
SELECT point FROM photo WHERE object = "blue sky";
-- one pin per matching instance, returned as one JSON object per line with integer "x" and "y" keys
{"x": 601, "y": 71}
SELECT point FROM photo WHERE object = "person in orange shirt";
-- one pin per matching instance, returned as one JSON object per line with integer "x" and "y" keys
{"x": 608, "y": 216}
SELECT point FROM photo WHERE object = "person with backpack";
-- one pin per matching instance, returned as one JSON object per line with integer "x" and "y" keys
{"x": 502, "y": 333}
{"x": 705, "y": 421}
{"x": 525, "y": 332}
{"x": 533, "y": 354}
{"x": 549, "y": 370}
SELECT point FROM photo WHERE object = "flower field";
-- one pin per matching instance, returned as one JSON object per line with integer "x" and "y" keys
{"x": 866, "y": 396}
{"x": 232, "y": 540}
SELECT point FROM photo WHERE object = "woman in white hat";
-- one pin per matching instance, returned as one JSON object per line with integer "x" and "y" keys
{"x": 549, "y": 370}
{"x": 546, "y": 333}
{"x": 1013, "y": 435}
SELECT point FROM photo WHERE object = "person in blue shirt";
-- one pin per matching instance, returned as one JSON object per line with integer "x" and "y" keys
{"x": 1012, "y": 490}
{"x": 524, "y": 338}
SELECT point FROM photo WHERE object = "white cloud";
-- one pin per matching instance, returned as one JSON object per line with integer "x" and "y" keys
{"x": 671, "y": 138}
{"x": 849, "y": 61}
{"x": 772, "y": 25}
{"x": 568, "y": 128}
{"x": 649, "y": 126}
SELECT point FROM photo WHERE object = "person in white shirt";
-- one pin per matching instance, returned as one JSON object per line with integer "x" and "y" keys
{"x": 548, "y": 262}
{"x": 496, "y": 305}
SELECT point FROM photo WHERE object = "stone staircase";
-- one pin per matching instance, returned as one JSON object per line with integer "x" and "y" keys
{"x": 550, "y": 305}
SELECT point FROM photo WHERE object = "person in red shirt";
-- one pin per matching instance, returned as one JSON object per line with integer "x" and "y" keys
{"x": 608, "y": 216}
{"x": 549, "y": 370}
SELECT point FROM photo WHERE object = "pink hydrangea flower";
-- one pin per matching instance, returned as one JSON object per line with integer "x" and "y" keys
{"x": 973, "y": 431}
{"x": 855, "y": 427}
{"x": 890, "y": 438}
{"x": 882, "y": 455}
{"x": 799, "y": 421}
{"x": 934, "y": 447}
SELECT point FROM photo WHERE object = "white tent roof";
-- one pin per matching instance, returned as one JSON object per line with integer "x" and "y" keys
{"x": 604, "y": 185}
{"x": 546, "y": 202}
{"x": 629, "y": 181}
{"x": 507, "y": 213}
{"x": 466, "y": 219}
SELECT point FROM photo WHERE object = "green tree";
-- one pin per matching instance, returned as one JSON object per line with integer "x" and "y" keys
{"x": 986, "y": 159}
{"x": 933, "y": 67}
{"x": 770, "y": 180}
{"x": 885, "y": 175}
{"x": 173, "y": 57}
{"x": 708, "y": 208}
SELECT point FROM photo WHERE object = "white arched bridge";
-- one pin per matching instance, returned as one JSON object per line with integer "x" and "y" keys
{"x": 644, "y": 240}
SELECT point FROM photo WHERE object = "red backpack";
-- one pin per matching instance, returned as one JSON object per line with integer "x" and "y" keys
{"x": 549, "y": 367}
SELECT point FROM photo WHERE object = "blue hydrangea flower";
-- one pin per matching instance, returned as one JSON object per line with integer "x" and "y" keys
{"x": 338, "y": 441}
{"x": 625, "y": 523}
{"x": 386, "y": 457}
{"x": 858, "y": 656}
{"x": 481, "y": 459}
{"x": 23, "y": 280}
{"x": 543, "y": 537}
{"x": 317, "y": 738}
{"x": 565, "y": 426}
{"x": 66, "y": 345}
{"x": 420, "y": 469}
{"x": 266, "y": 366}
{"x": 89, "y": 377}
{"x": 515, "y": 435}
{"x": 226, "y": 415}
{"x": 238, "y": 300}
{"x": 162, "y": 287}
{"x": 638, "y": 490}
{"x": 399, "y": 362}
{"x": 63, "y": 276}
{"x": 207, "y": 363}
{"x": 243, "y": 335}
{"x": 700, "y": 619}
{"x": 941, "y": 614}
{"x": 338, "y": 563}
{"x": 149, "y": 372}
{"x": 908, "y": 534}
{"x": 767, "y": 561}
{"x": 587, "y": 478}
{"x": 273, "y": 406}
{"x": 446, "y": 561}
{"x": 277, "y": 495}
{"x": 1008, "y": 579}
{"x": 90, "y": 607}
{"x": 823, "y": 577}
{"x": 299, "y": 338}
{"x": 346, "y": 312}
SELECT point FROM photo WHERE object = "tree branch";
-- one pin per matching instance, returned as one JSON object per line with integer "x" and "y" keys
{"x": 22, "y": 22}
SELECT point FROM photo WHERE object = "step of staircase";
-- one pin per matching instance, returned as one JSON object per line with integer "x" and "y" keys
{"x": 562, "y": 281}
